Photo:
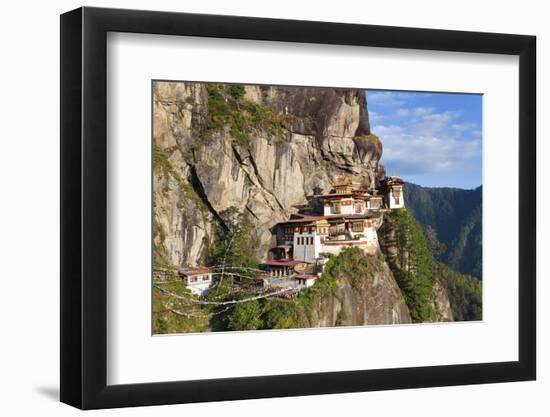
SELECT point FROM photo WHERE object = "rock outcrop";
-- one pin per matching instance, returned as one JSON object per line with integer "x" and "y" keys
{"x": 441, "y": 306}
{"x": 377, "y": 300}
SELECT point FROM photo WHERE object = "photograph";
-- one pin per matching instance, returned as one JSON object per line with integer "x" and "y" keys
{"x": 298, "y": 207}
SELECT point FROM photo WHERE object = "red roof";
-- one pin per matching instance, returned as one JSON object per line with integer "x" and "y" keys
{"x": 351, "y": 216}
{"x": 195, "y": 271}
{"x": 304, "y": 219}
{"x": 308, "y": 219}
{"x": 283, "y": 262}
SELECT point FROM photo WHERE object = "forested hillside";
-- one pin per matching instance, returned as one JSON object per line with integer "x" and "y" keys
{"x": 451, "y": 219}
{"x": 426, "y": 283}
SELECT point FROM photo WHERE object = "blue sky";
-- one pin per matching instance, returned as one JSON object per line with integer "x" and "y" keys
{"x": 431, "y": 139}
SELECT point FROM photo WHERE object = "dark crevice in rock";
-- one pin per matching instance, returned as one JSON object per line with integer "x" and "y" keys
{"x": 249, "y": 210}
{"x": 237, "y": 156}
{"x": 261, "y": 181}
{"x": 255, "y": 168}
{"x": 199, "y": 189}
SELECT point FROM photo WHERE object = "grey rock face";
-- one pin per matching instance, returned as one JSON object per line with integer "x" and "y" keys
{"x": 377, "y": 301}
{"x": 441, "y": 305}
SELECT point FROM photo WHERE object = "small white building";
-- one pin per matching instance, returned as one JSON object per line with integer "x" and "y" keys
{"x": 393, "y": 188}
{"x": 198, "y": 280}
{"x": 306, "y": 280}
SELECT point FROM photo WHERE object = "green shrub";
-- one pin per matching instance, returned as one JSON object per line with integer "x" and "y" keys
{"x": 245, "y": 316}
{"x": 243, "y": 117}
{"x": 236, "y": 91}
{"x": 279, "y": 314}
{"x": 355, "y": 264}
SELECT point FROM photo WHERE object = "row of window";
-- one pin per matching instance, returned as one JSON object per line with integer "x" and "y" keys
{"x": 305, "y": 240}
{"x": 357, "y": 207}
{"x": 289, "y": 231}
{"x": 323, "y": 230}
{"x": 357, "y": 226}
{"x": 196, "y": 278}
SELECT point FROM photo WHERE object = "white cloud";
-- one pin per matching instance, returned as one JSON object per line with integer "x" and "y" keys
{"x": 424, "y": 140}
{"x": 414, "y": 112}
{"x": 422, "y": 111}
{"x": 417, "y": 153}
{"x": 388, "y": 98}
{"x": 376, "y": 117}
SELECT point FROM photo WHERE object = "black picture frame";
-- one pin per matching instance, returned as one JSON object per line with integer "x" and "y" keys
{"x": 84, "y": 207}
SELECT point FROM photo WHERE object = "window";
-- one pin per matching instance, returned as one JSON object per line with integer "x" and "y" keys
{"x": 193, "y": 279}
{"x": 205, "y": 278}
{"x": 336, "y": 208}
{"x": 357, "y": 226}
{"x": 396, "y": 192}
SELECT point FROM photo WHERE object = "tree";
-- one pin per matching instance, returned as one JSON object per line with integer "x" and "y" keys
{"x": 245, "y": 316}
{"x": 414, "y": 267}
{"x": 233, "y": 259}
{"x": 232, "y": 248}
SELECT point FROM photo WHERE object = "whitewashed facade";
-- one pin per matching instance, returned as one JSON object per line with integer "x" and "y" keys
{"x": 198, "y": 280}
{"x": 323, "y": 238}
{"x": 307, "y": 246}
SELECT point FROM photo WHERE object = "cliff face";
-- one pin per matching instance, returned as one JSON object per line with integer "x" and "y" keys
{"x": 377, "y": 300}
{"x": 441, "y": 306}
{"x": 290, "y": 144}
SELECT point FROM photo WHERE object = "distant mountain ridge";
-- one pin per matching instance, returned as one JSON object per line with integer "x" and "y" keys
{"x": 454, "y": 215}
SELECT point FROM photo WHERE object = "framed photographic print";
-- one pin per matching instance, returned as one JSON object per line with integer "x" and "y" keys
{"x": 257, "y": 208}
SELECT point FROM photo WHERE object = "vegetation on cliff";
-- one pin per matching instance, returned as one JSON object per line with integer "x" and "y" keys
{"x": 227, "y": 106}
{"x": 174, "y": 315}
{"x": 231, "y": 248}
{"x": 168, "y": 314}
{"x": 352, "y": 263}
{"x": 413, "y": 266}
